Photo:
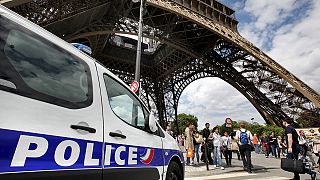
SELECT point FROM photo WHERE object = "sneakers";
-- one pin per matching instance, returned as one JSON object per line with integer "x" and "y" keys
{"x": 214, "y": 166}
{"x": 222, "y": 168}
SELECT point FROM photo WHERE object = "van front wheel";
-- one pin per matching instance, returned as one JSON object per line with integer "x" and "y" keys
{"x": 174, "y": 171}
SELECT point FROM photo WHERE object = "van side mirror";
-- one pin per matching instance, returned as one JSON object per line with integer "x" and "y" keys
{"x": 152, "y": 125}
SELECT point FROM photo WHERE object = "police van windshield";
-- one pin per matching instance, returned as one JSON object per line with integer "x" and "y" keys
{"x": 32, "y": 66}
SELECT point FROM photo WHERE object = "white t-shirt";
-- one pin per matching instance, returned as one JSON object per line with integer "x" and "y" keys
{"x": 226, "y": 141}
{"x": 217, "y": 141}
{"x": 249, "y": 135}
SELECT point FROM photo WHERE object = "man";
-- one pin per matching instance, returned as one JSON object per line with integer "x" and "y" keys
{"x": 206, "y": 134}
{"x": 292, "y": 140}
{"x": 206, "y": 131}
{"x": 244, "y": 138}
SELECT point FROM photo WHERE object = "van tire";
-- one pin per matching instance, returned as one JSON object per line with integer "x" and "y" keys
{"x": 174, "y": 171}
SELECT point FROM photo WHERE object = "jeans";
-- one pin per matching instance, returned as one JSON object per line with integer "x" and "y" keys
{"x": 265, "y": 148}
{"x": 188, "y": 161}
{"x": 257, "y": 148}
{"x": 294, "y": 155}
{"x": 275, "y": 150}
{"x": 228, "y": 156}
{"x": 245, "y": 152}
{"x": 196, "y": 152}
{"x": 216, "y": 156}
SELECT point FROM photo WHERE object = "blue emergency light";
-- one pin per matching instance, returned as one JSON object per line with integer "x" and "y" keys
{"x": 83, "y": 48}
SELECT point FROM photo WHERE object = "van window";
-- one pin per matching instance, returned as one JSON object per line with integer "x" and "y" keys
{"x": 124, "y": 104}
{"x": 41, "y": 70}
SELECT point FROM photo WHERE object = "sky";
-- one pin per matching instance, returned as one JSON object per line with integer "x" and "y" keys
{"x": 287, "y": 30}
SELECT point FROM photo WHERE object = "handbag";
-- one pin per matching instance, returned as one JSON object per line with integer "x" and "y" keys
{"x": 292, "y": 165}
{"x": 199, "y": 139}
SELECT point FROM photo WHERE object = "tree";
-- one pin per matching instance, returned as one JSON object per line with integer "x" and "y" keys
{"x": 254, "y": 128}
{"x": 309, "y": 119}
{"x": 183, "y": 119}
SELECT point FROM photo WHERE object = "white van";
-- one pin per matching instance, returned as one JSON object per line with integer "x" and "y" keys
{"x": 65, "y": 116}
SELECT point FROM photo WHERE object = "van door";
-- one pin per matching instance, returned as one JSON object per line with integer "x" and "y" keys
{"x": 51, "y": 122}
{"x": 130, "y": 151}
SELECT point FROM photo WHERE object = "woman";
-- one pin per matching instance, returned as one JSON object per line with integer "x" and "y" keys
{"x": 217, "y": 145}
{"x": 265, "y": 144}
{"x": 180, "y": 140}
{"x": 303, "y": 143}
{"x": 189, "y": 141}
{"x": 282, "y": 146}
{"x": 234, "y": 145}
{"x": 256, "y": 143}
{"x": 273, "y": 142}
{"x": 197, "y": 140}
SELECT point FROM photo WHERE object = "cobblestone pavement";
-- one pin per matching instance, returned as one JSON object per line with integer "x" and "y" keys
{"x": 263, "y": 168}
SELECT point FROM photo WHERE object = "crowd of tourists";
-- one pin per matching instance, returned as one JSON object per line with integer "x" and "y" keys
{"x": 213, "y": 145}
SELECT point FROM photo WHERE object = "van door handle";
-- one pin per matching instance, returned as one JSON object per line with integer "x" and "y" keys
{"x": 89, "y": 129}
{"x": 114, "y": 134}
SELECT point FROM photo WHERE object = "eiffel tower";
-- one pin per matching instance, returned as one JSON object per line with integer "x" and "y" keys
{"x": 185, "y": 40}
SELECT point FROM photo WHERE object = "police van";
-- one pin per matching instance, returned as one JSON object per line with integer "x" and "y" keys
{"x": 65, "y": 116}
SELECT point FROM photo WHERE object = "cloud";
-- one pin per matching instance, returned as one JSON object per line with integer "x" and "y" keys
{"x": 213, "y": 100}
{"x": 287, "y": 30}
{"x": 297, "y": 47}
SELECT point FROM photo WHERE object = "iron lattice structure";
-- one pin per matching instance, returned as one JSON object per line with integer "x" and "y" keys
{"x": 187, "y": 40}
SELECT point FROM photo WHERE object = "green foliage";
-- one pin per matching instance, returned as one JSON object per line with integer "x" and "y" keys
{"x": 183, "y": 119}
{"x": 307, "y": 120}
{"x": 254, "y": 128}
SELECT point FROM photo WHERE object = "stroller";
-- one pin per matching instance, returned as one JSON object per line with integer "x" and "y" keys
{"x": 308, "y": 167}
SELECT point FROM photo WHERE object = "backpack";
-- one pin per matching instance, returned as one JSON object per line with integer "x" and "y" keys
{"x": 244, "y": 137}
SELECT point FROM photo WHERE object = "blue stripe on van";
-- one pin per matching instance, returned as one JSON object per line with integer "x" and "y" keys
{"x": 25, "y": 151}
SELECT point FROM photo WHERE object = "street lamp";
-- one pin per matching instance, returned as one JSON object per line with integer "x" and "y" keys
{"x": 252, "y": 120}
{"x": 138, "y": 58}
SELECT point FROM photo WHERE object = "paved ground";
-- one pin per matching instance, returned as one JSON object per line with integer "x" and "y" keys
{"x": 262, "y": 169}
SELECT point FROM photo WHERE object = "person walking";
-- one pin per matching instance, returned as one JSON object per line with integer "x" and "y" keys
{"x": 189, "y": 141}
{"x": 197, "y": 140}
{"x": 292, "y": 141}
{"x": 207, "y": 143}
{"x": 281, "y": 145}
{"x": 245, "y": 138}
{"x": 256, "y": 143}
{"x": 265, "y": 144}
{"x": 180, "y": 140}
{"x": 234, "y": 145}
{"x": 226, "y": 139}
{"x": 302, "y": 143}
{"x": 217, "y": 146}
{"x": 274, "y": 145}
